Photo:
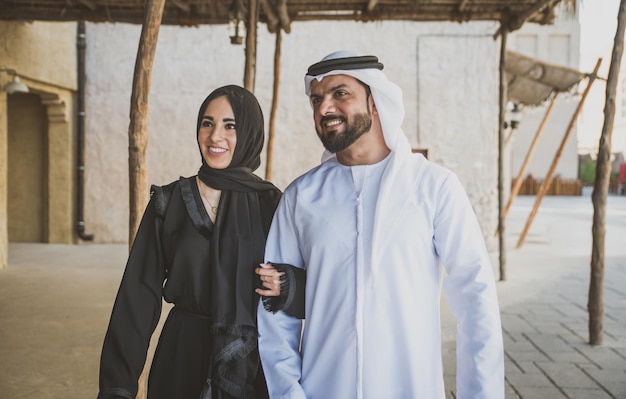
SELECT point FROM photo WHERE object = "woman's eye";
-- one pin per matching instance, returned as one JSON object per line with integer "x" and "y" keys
{"x": 207, "y": 124}
{"x": 231, "y": 126}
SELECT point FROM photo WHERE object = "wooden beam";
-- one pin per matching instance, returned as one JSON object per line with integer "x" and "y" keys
{"x": 182, "y": 5}
{"x": 371, "y": 4}
{"x": 269, "y": 166}
{"x": 138, "y": 129}
{"x": 462, "y": 5}
{"x": 251, "y": 42}
{"x": 270, "y": 16}
{"x": 520, "y": 18}
{"x": 89, "y": 4}
{"x": 529, "y": 154}
{"x": 503, "y": 96}
{"x": 595, "y": 304}
{"x": 545, "y": 185}
{"x": 283, "y": 16}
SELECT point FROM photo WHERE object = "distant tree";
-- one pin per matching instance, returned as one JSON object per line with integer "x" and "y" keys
{"x": 588, "y": 171}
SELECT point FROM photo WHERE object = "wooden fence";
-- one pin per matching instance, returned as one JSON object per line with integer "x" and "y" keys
{"x": 530, "y": 186}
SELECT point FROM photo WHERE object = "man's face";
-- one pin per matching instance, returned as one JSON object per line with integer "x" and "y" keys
{"x": 342, "y": 111}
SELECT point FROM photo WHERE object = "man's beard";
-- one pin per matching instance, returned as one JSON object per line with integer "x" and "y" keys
{"x": 336, "y": 142}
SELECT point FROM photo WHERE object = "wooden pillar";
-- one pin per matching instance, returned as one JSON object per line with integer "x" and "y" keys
{"x": 595, "y": 304}
{"x": 4, "y": 174}
{"x": 272, "y": 126}
{"x": 138, "y": 129}
{"x": 548, "y": 179}
{"x": 251, "y": 40}
{"x": 503, "y": 96}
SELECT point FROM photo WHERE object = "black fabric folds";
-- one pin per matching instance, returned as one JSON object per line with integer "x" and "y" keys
{"x": 292, "y": 292}
{"x": 346, "y": 64}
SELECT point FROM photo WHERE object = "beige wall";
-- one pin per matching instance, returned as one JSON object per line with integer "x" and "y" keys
{"x": 43, "y": 55}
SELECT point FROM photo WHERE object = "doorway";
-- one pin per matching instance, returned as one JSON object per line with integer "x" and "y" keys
{"x": 27, "y": 160}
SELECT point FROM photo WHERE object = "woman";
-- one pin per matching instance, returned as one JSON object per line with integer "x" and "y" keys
{"x": 197, "y": 247}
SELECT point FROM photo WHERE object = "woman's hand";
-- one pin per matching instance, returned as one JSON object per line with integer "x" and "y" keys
{"x": 270, "y": 278}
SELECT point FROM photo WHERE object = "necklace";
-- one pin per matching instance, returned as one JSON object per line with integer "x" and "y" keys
{"x": 206, "y": 198}
{"x": 213, "y": 207}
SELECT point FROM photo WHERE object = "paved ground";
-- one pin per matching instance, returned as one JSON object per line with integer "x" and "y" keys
{"x": 55, "y": 301}
{"x": 544, "y": 303}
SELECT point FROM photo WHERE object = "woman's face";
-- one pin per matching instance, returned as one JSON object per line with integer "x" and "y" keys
{"x": 217, "y": 136}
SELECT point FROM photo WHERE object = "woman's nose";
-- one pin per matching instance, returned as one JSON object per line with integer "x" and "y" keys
{"x": 218, "y": 133}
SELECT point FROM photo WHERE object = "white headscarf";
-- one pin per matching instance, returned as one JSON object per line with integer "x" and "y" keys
{"x": 395, "y": 184}
{"x": 386, "y": 94}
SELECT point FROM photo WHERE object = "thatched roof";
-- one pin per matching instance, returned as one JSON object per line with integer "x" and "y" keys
{"x": 531, "y": 81}
{"x": 283, "y": 12}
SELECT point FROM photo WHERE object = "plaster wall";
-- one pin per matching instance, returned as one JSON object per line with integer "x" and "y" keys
{"x": 448, "y": 72}
{"x": 40, "y": 51}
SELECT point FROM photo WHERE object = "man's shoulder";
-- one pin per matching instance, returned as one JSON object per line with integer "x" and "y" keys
{"x": 311, "y": 176}
{"x": 429, "y": 170}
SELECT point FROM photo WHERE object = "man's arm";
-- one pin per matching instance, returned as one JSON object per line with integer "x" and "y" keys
{"x": 470, "y": 288}
{"x": 279, "y": 334}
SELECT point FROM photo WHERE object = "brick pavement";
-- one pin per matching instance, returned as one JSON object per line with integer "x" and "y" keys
{"x": 544, "y": 304}
{"x": 546, "y": 341}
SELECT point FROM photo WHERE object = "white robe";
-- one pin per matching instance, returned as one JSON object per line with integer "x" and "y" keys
{"x": 373, "y": 287}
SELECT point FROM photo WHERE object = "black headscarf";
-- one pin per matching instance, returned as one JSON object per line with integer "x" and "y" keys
{"x": 237, "y": 244}
{"x": 249, "y": 122}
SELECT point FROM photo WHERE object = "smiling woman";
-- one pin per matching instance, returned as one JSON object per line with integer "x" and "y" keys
{"x": 217, "y": 136}
{"x": 197, "y": 247}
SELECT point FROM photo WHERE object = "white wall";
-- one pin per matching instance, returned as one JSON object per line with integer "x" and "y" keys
{"x": 448, "y": 72}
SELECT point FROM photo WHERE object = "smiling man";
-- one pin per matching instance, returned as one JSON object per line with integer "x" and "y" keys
{"x": 374, "y": 226}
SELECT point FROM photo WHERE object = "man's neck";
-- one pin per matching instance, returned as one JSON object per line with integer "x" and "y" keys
{"x": 369, "y": 149}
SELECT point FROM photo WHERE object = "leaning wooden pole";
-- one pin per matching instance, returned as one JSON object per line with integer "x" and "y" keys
{"x": 503, "y": 95}
{"x": 545, "y": 185}
{"x": 595, "y": 304}
{"x": 251, "y": 42}
{"x": 269, "y": 165}
{"x": 138, "y": 129}
{"x": 520, "y": 176}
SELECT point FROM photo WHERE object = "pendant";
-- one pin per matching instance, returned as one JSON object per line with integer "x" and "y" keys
{"x": 214, "y": 209}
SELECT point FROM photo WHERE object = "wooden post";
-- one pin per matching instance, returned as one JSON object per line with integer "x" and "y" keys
{"x": 529, "y": 154}
{"x": 595, "y": 304}
{"x": 138, "y": 129}
{"x": 271, "y": 131}
{"x": 250, "y": 68}
{"x": 503, "y": 95}
{"x": 545, "y": 185}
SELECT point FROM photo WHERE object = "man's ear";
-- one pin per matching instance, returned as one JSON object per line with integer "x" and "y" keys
{"x": 372, "y": 104}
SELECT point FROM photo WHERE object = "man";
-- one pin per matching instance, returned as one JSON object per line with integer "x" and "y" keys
{"x": 372, "y": 225}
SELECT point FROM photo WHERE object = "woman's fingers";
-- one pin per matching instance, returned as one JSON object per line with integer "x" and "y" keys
{"x": 270, "y": 279}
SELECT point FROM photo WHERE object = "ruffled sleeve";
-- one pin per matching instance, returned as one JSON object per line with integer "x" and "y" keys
{"x": 292, "y": 292}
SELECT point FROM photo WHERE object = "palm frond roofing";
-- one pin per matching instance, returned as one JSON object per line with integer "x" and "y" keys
{"x": 283, "y": 12}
